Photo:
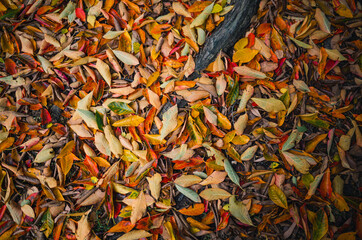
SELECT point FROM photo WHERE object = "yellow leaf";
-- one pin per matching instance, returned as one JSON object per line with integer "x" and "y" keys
{"x": 105, "y": 71}
{"x": 241, "y": 124}
{"x": 114, "y": 144}
{"x": 180, "y": 9}
{"x": 223, "y": 121}
{"x": 339, "y": 202}
{"x": 240, "y": 140}
{"x": 66, "y": 163}
{"x": 132, "y": 121}
{"x": 241, "y": 44}
{"x": 155, "y": 139}
{"x": 6, "y": 144}
{"x": 244, "y": 55}
{"x": 311, "y": 145}
{"x": 342, "y": 9}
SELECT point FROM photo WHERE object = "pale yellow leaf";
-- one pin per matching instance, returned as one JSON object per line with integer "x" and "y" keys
{"x": 155, "y": 185}
{"x": 105, "y": 71}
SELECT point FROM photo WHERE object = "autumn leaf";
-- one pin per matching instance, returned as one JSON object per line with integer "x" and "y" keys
{"x": 120, "y": 108}
{"x": 188, "y": 193}
{"x": 138, "y": 208}
{"x": 48, "y": 224}
{"x": 169, "y": 121}
{"x": 104, "y": 70}
{"x": 278, "y": 196}
{"x": 131, "y": 121}
{"x": 320, "y": 226}
{"x": 239, "y": 211}
{"x": 155, "y": 185}
{"x": 270, "y": 105}
{"x": 214, "y": 194}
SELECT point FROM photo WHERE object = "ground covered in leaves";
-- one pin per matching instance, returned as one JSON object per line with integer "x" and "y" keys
{"x": 102, "y": 136}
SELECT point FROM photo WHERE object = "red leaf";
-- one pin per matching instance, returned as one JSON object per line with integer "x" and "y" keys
{"x": 10, "y": 66}
{"x": 91, "y": 165}
{"x": 79, "y": 12}
{"x": 45, "y": 116}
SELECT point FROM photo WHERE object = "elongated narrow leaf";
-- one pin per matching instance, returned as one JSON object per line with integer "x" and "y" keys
{"x": 135, "y": 235}
{"x": 105, "y": 71}
{"x": 187, "y": 180}
{"x": 126, "y": 57}
{"x": 233, "y": 94}
{"x": 120, "y": 108}
{"x": 131, "y": 121}
{"x": 249, "y": 72}
{"x": 231, "y": 172}
{"x": 188, "y": 193}
{"x": 269, "y": 104}
{"x": 214, "y": 194}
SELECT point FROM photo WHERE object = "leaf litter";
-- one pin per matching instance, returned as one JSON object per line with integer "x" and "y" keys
{"x": 103, "y": 137}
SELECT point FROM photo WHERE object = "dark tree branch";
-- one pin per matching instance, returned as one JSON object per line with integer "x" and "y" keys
{"x": 226, "y": 34}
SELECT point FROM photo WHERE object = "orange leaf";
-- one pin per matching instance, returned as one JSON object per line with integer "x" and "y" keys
{"x": 159, "y": 28}
{"x": 6, "y": 144}
{"x": 326, "y": 185}
{"x": 122, "y": 226}
{"x": 195, "y": 210}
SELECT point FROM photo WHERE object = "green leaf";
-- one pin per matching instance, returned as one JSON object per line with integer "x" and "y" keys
{"x": 290, "y": 143}
{"x": 10, "y": 13}
{"x": 120, "y": 108}
{"x": 307, "y": 179}
{"x": 233, "y": 95}
{"x": 270, "y": 104}
{"x": 300, "y": 43}
{"x": 188, "y": 193}
{"x": 48, "y": 223}
{"x": 99, "y": 120}
{"x": 285, "y": 98}
{"x": 231, "y": 172}
{"x": 249, "y": 153}
{"x": 88, "y": 117}
{"x": 314, "y": 185}
{"x": 278, "y": 196}
{"x": 320, "y": 226}
{"x": 318, "y": 123}
{"x": 240, "y": 211}
{"x": 68, "y": 10}
{"x": 301, "y": 85}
